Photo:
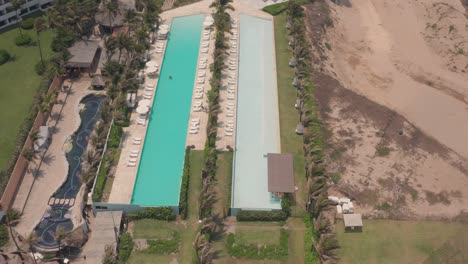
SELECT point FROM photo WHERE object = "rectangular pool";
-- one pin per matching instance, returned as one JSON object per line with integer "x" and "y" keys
{"x": 162, "y": 160}
{"x": 257, "y": 116}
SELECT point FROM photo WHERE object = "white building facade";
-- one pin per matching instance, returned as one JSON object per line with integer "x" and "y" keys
{"x": 8, "y": 14}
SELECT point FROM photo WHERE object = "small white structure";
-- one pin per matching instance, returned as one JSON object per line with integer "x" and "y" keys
{"x": 344, "y": 200}
{"x": 334, "y": 199}
{"x": 352, "y": 222}
{"x": 163, "y": 31}
{"x": 339, "y": 210}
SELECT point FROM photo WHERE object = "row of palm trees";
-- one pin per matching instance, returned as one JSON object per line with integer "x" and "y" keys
{"x": 325, "y": 244}
{"x": 211, "y": 223}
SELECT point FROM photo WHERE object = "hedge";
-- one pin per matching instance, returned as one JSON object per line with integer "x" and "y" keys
{"x": 184, "y": 188}
{"x": 28, "y": 23}
{"x": 158, "y": 213}
{"x": 4, "y": 56}
{"x": 22, "y": 40}
{"x": 115, "y": 135}
{"x": 101, "y": 180}
{"x": 286, "y": 203}
{"x": 3, "y": 235}
{"x": 125, "y": 247}
{"x": 248, "y": 215}
{"x": 254, "y": 251}
{"x": 276, "y": 9}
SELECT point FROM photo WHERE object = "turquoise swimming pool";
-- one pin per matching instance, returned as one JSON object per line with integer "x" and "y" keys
{"x": 162, "y": 160}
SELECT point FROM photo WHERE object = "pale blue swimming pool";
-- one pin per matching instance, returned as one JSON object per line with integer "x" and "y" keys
{"x": 162, "y": 160}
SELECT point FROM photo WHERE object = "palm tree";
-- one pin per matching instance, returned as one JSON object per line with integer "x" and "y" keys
{"x": 111, "y": 7}
{"x": 326, "y": 248}
{"x": 28, "y": 154}
{"x": 110, "y": 44}
{"x": 17, "y": 4}
{"x": 203, "y": 248}
{"x": 318, "y": 204}
{"x": 47, "y": 102}
{"x": 124, "y": 42}
{"x": 30, "y": 241}
{"x": 60, "y": 235}
{"x": 40, "y": 25}
{"x": 322, "y": 225}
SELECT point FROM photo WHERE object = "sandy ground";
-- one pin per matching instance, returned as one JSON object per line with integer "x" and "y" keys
{"x": 393, "y": 92}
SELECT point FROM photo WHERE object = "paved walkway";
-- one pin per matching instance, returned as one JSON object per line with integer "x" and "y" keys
{"x": 53, "y": 171}
{"x": 101, "y": 235}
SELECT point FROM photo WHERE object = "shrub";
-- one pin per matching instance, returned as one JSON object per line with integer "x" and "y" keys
{"x": 62, "y": 40}
{"x": 3, "y": 235}
{"x": 275, "y": 215}
{"x": 4, "y": 56}
{"x": 276, "y": 9}
{"x": 286, "y": 203}
{"x": 100, "y": 181}
{"x": 22, "y": 40}
{"x": 125, "y": 247}
{"x": 158, "y": 213}
{"x": 28, "y": 23}
{"x": 115, "y": 135}
{"x": 13, "y": 215}
{"x": 183, "y": 200}
{"x": 40, "y": 68}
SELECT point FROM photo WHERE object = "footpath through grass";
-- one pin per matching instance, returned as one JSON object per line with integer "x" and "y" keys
{"x": 18, "y": 84}
{"x": 387, "y": 241}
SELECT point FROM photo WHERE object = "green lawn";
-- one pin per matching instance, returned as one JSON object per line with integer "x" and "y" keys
{"x": 223, "y": 183}
{"x": 288, "y": 114}
{"x": 385, "y": 241}
{"x": 152, "y": 229}
{"x": 259, "y": 236}
{"x": 18, "y": 84}
{"x": 141, "y": 258}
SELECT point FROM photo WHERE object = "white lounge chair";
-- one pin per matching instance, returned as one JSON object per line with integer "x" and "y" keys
{"x": 204, "y": 50}
{"x": 201, "y": 80}
{"x": 198, "y": 96}
{"x": 227, "y": 133}
{"x": 135, "y": 142}
{"x": 229, "y": 121}
{"x": 133, "y": 155}
{"x": 197, "y": 108}
{"x": 134, "y": 151}
{"x": 201, "y": 73}
{"x": 193, "y": 131}
{"x": 131, "y": 164}
{"x": 196, "y": 120}
{"x": 231, "y": 96}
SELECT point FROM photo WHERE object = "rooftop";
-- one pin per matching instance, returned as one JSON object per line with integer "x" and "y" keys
{"x": 82, "y": 53}
{"x": 352, "y": 220}
{"x": 280, "y": 173}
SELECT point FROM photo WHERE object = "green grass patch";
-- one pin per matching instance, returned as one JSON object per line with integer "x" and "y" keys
{"x": 251, "y": 250}
{"x": 289, "y": 117}
{"x": 259, "y": 236}
{"x": 154, "y": 229}
{"x": 19, "y": 83}
{"x": 164, "y": 246}
{"x": 224, "y": 183}
{"x": 139, "y": 257}
{"x": 276, "y": 9}
{"x": 387, "y": 241}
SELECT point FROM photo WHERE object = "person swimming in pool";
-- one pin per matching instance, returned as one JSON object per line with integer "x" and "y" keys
{"x": 170, "y": 77}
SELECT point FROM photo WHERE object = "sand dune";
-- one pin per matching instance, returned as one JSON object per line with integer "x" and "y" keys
{"x": 411, "y": 56}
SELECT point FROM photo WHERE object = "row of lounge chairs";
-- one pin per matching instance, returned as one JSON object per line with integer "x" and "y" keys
{"x": 202, "y": 63}
{"x": 133, "y": 157}
{"x": 194, "y": 125}
{"x": 232, "y": 80}
{"x": 205, "y": 46}
{"x": 159, "y": 47}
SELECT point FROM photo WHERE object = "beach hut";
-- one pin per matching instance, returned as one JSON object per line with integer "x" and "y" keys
{"x": 352, "y": 222}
